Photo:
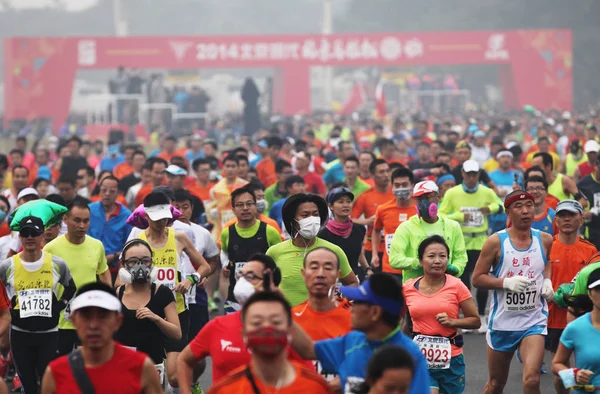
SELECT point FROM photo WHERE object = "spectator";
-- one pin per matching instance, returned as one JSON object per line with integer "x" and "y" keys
{"x": 119, "y": 85}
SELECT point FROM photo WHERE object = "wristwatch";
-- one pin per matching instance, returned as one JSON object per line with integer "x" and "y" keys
{"x": 195, "y": 277}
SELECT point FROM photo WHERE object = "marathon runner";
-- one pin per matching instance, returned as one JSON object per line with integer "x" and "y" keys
{"x": 505, "y": 178}
{"x": 351, "y": 169}
{"x": 390, "y": 368}
{"x": 559, "y": 185}
{"x": 543, "y": 218}
{"x": 278, "y": 190}
{"x": 590, "y": 188}
{"x": 591, "y": 148}
{"x": 551, "y": 201}
{"x": 513, "y": 264}
{"x": 107, "y": 366}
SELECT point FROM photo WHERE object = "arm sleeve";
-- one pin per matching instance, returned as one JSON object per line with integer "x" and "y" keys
{"x": 331, "y": 353}
{"x": 273, "y": 237}
{"x": 420, "y": 382}
{"x": 102, "y": 265}
{"x": 458, "y": 251}
{"x": 400, "y": 243}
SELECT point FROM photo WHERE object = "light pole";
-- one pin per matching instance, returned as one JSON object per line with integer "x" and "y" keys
{"x": 327, "y": 71}
{"x": 119, "y": 19}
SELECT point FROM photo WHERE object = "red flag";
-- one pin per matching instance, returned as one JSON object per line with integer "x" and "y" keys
{"x": 355, "y": 100}
{"x": 380, "y": 104}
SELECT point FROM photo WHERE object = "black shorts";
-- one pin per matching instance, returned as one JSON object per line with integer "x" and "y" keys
{"x": 176, "y": 346}
{"x": 552, "y": 339}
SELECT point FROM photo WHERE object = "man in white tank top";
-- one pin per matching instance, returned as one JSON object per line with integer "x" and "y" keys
{"x": 520, "y": 280}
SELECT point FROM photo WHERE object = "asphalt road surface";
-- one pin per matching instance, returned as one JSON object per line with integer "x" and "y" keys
{"x": 477, "y": 370}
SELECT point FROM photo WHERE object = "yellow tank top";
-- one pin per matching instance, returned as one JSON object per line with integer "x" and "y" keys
{"x": 556, "y": 188}
{"x": 571, "y": 164}
{"x": 166, "y": 262}
{"x": 33, "y": 289}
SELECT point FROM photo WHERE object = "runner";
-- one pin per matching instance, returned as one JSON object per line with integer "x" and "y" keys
{"x": 505, "y": 178}
{"x": 365, "y": 158}
{"x": 375, "y": 315}
{"x": 390, "y": 368}
{"x": 470, "y": 204}
{"x": 261, "y": 206}
{"x": 366, "y": 205}
{"x": 341, "y": 231}
{"x": 574, "y": 158}
{"x": 445, "y": 183}
{"x": 410, "y": 234}
{"x": 559, "y": 185}
{"x": 267, "y": 325}
{"x": 145, "y": 179}
{"x": 392, "y": 214}
{"x": 241, "y": 240}
{"x": 314, "y": 183}
{"x": 591, "y": 151}
{"x": 294, "y": 184}
{"x": 277, "y": 190}
{"x": 39, "y": 286}
{"x": 435, "y": 302}
{"x": 356, "y": 185}
{"x": 520, "y": 280}
{"x": 568, "y": 255}
{"x": 266, "y": 168}
{"x": 157, "y": 169}
{"x": 203, "y": 183}
{"x": 590, "y": 187}
{"x": 543, "y": 218}
{"x": 580, "y": 339}
{"x": 85, "y": 257}
{"x": 303, "y": 216}
{"x": 108, "y": 366}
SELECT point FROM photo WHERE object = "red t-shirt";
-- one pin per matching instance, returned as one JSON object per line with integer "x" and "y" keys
{"x": 585, "y": 169}
{"x": 221, "y": 339}
{"x": 314, "y": 183}
{"x": 122, "y": 374}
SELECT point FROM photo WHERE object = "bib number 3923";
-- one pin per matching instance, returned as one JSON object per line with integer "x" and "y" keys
{"x": 166, "y": 277}
{"x": 35, "y": 302}
{"x": 436, "y": 350}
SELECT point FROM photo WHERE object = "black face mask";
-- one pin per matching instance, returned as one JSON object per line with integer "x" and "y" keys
{"x": 574, "y": 149}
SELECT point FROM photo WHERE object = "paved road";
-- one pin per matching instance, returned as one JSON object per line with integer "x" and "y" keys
{"x": 477, "y": 372}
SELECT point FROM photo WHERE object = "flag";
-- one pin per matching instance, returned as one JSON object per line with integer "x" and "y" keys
{"x": 380, "y": 105}
{"x": 355, "y": 100}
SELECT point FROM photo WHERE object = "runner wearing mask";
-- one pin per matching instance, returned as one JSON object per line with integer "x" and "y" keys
{"x": 366, "y": 205}
{"x": 410, "y": 234}
{"x": 243, "y": 239}
{"x": 341, "y": 231}
{"x": 392, "y": 214}
{"x": 470, "y": 204}
{"x": 267, "y": 327}
{"x": 109, "y": 366}
{"x": 435, "y": 302}
{"x": 303, "y": 216}
{"x": 513, "y": 264}
{"x": 39, "y": 286}
{"x": 390, "y": 368}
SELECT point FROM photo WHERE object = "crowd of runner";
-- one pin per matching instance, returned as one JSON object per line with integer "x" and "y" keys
{"x": 346, "y": 255}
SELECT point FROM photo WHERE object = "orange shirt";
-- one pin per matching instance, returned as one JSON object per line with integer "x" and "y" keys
{"x": 265, "y": 169}
{"x": 567, "y": 261}
{"x": 323, "y": 325}
{"x": 263, "y": 218}
{"x": 366, "y": 205}
{"x": 551, "y": 201}
{"x": 122, "y": 170}
{"x": 307, "y": 381}
{"x": 203, "y": 193}
{"x": 387, "y": 218}
{"x": 142, "y": 193}
{"x": 4, "y": 229}
{"x": 167, "y": 156}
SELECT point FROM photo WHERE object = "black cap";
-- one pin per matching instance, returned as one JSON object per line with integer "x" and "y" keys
{"x": 166, "y": 190}
{"x": 32, "y": 222}
{"x": 594, "y": 279}
{"x": 156, "y": 198}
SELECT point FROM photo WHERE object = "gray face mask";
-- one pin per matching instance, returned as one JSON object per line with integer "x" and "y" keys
{"x": 261, "y": 205}
{"x": 402, "y": 193}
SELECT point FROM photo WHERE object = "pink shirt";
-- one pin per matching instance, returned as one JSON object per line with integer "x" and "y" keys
{"x": 423, "y": 308}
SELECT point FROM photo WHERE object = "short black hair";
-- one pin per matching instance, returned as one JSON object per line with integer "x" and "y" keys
{"x": 383, "y": 142}
{"x": 366, "y": 152}
{"x": 138, "y": 152}
{"x": 242, "y": 158}
{"x": 156, "y": 198}
{"x": 384, "y": 358}
{"x": 280, "y": 165}
{"x": 534, "y": 169}
{"x": 240, "y": 150}
{"x": 268, "y": 296}
{"x": 353, "y": 159}
{"x": 269, "y": 264}
{"x": 254, "y": 186}
{"x": 403, "y": 172}
{"x": 434, "y": 239}
{"x": 536, "y": 178}
{"x": 155, "y": 160}
{"x": 78, "y": 202}
{"x": 74, "y": 138}
{"x": 238, "y": 192}
{"x": 231, "y": 158}
{"x": 181, "y": 195}
{"x": 497, "y": 141}
{"x": 109, "y": 178}
{"x": 90, "y": 172}
{"x": 3, "y": 198}
{"x": 15, "y": 150}
{"x": 294, "y": 179}
{"x": 15, "y": 168}
{"x": 374, "y": 164}
{"x": 422, "y": 144}
{"x": 37, "y": 182}
{"x": 179, "y": 161}
{"x": 100, "y": 286}
{"x": 57, "y": 199}
{"x": 337, "y": 258}
{"x": 546, "y": 159}
{"x": 274, "y": 141}
{"x": 198, "y": 162}
{"x": 543, "y": 139}
{"x": 385, "y": 285}
{"x": 171, "y": 138}
{"x": 67, "y": 179}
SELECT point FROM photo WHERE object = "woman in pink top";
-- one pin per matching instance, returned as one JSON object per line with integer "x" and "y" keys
{"x": 434, "y": 303}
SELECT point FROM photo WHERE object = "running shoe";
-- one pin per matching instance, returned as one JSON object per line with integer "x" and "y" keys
{"x": 212, "y": 305}
{"x": 16, "y": 384}
{"x": 196, "y": 389}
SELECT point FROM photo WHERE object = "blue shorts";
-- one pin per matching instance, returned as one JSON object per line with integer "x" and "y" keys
{"x": 451, "y": 380}
{"x": 509, "y": 341}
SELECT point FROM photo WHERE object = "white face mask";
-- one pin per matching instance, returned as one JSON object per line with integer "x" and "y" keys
{"x": 243, "y": 290}
{"x": 261, "y": 205}
{"x": 309, "y": 227}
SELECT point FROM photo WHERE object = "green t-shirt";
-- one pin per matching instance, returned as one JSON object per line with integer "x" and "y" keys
{"x": 290, "y": 260}
{"x": 273, "y": 236}
{"x": 581, "y": 279}
{"x": 85, "y": 261}
{"x": 359, "y": 188}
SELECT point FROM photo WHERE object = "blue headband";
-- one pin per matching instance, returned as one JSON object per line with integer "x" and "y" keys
{"x": 444, "y": 178}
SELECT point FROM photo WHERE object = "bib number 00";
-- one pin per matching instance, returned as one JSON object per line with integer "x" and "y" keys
{"x": 35, "y": 302}
{"x": 166, "y": 277}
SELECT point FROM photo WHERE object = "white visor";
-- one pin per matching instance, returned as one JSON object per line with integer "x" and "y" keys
{"x": 159, "y": 212}
{"x": 98, "y": 299}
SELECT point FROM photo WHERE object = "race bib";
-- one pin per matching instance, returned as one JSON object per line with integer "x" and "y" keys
{"x": 319, "y": 368}
{"x": 226, "y": 216}
{"x": 436, "y": 350}
{"x": 353, "y": 385}
{"x": 160, "y": 369}
{"x": 476, "y": 217}
{"x": 521, "y": 302}
{"x": 388, "y": 242}
{"x": 166, "y": 277}
{"x": 35, "y": 302}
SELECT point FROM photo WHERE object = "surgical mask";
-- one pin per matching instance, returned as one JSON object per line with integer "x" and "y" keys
{"x": 139, "y": 273}
{"x": 261, "y": 205}
{"x": 426, "y": 209}
{"x": 243, "y": 290}
{"x": 402, "y": 193}
{"x": 309, "y": 227}
{"x": 3, "y": 215}
{"x": 267, "y": 341}
{"x": 470, "y": 190}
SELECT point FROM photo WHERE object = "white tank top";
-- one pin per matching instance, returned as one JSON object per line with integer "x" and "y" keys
{"x": 513, "y": 311}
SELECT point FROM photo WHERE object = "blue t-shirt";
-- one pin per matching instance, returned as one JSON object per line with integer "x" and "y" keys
{"x": 108, "y": 163}
{"x": 504, "y": 181}
{"x": 347, "y": 356}
{"x": 545, "y": 223}
{"x": 334, "y": 174}
{"x": 584, "y": 340}
{"x": 275, "y": 212}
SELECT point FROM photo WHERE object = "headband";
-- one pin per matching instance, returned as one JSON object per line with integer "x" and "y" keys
{"x": 444, "y": 178}
{"x": 520, "y": 196}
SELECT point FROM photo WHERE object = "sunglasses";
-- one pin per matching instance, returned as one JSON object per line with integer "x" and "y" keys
{"x": 29, "y": 233}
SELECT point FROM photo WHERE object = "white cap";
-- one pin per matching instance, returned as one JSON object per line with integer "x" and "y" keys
{"x": 158, "y": 212}
{"x": 175, "y": 170}
{"x": 550, "y": 122}
{"x": 98, "y": 299}
{"x": 28, "y": 191}
{"x": 470, "y": 166}
{"x": 566, "y": 115}
{"x": 425, "y": 187}
{"x": 591, "y": 146}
